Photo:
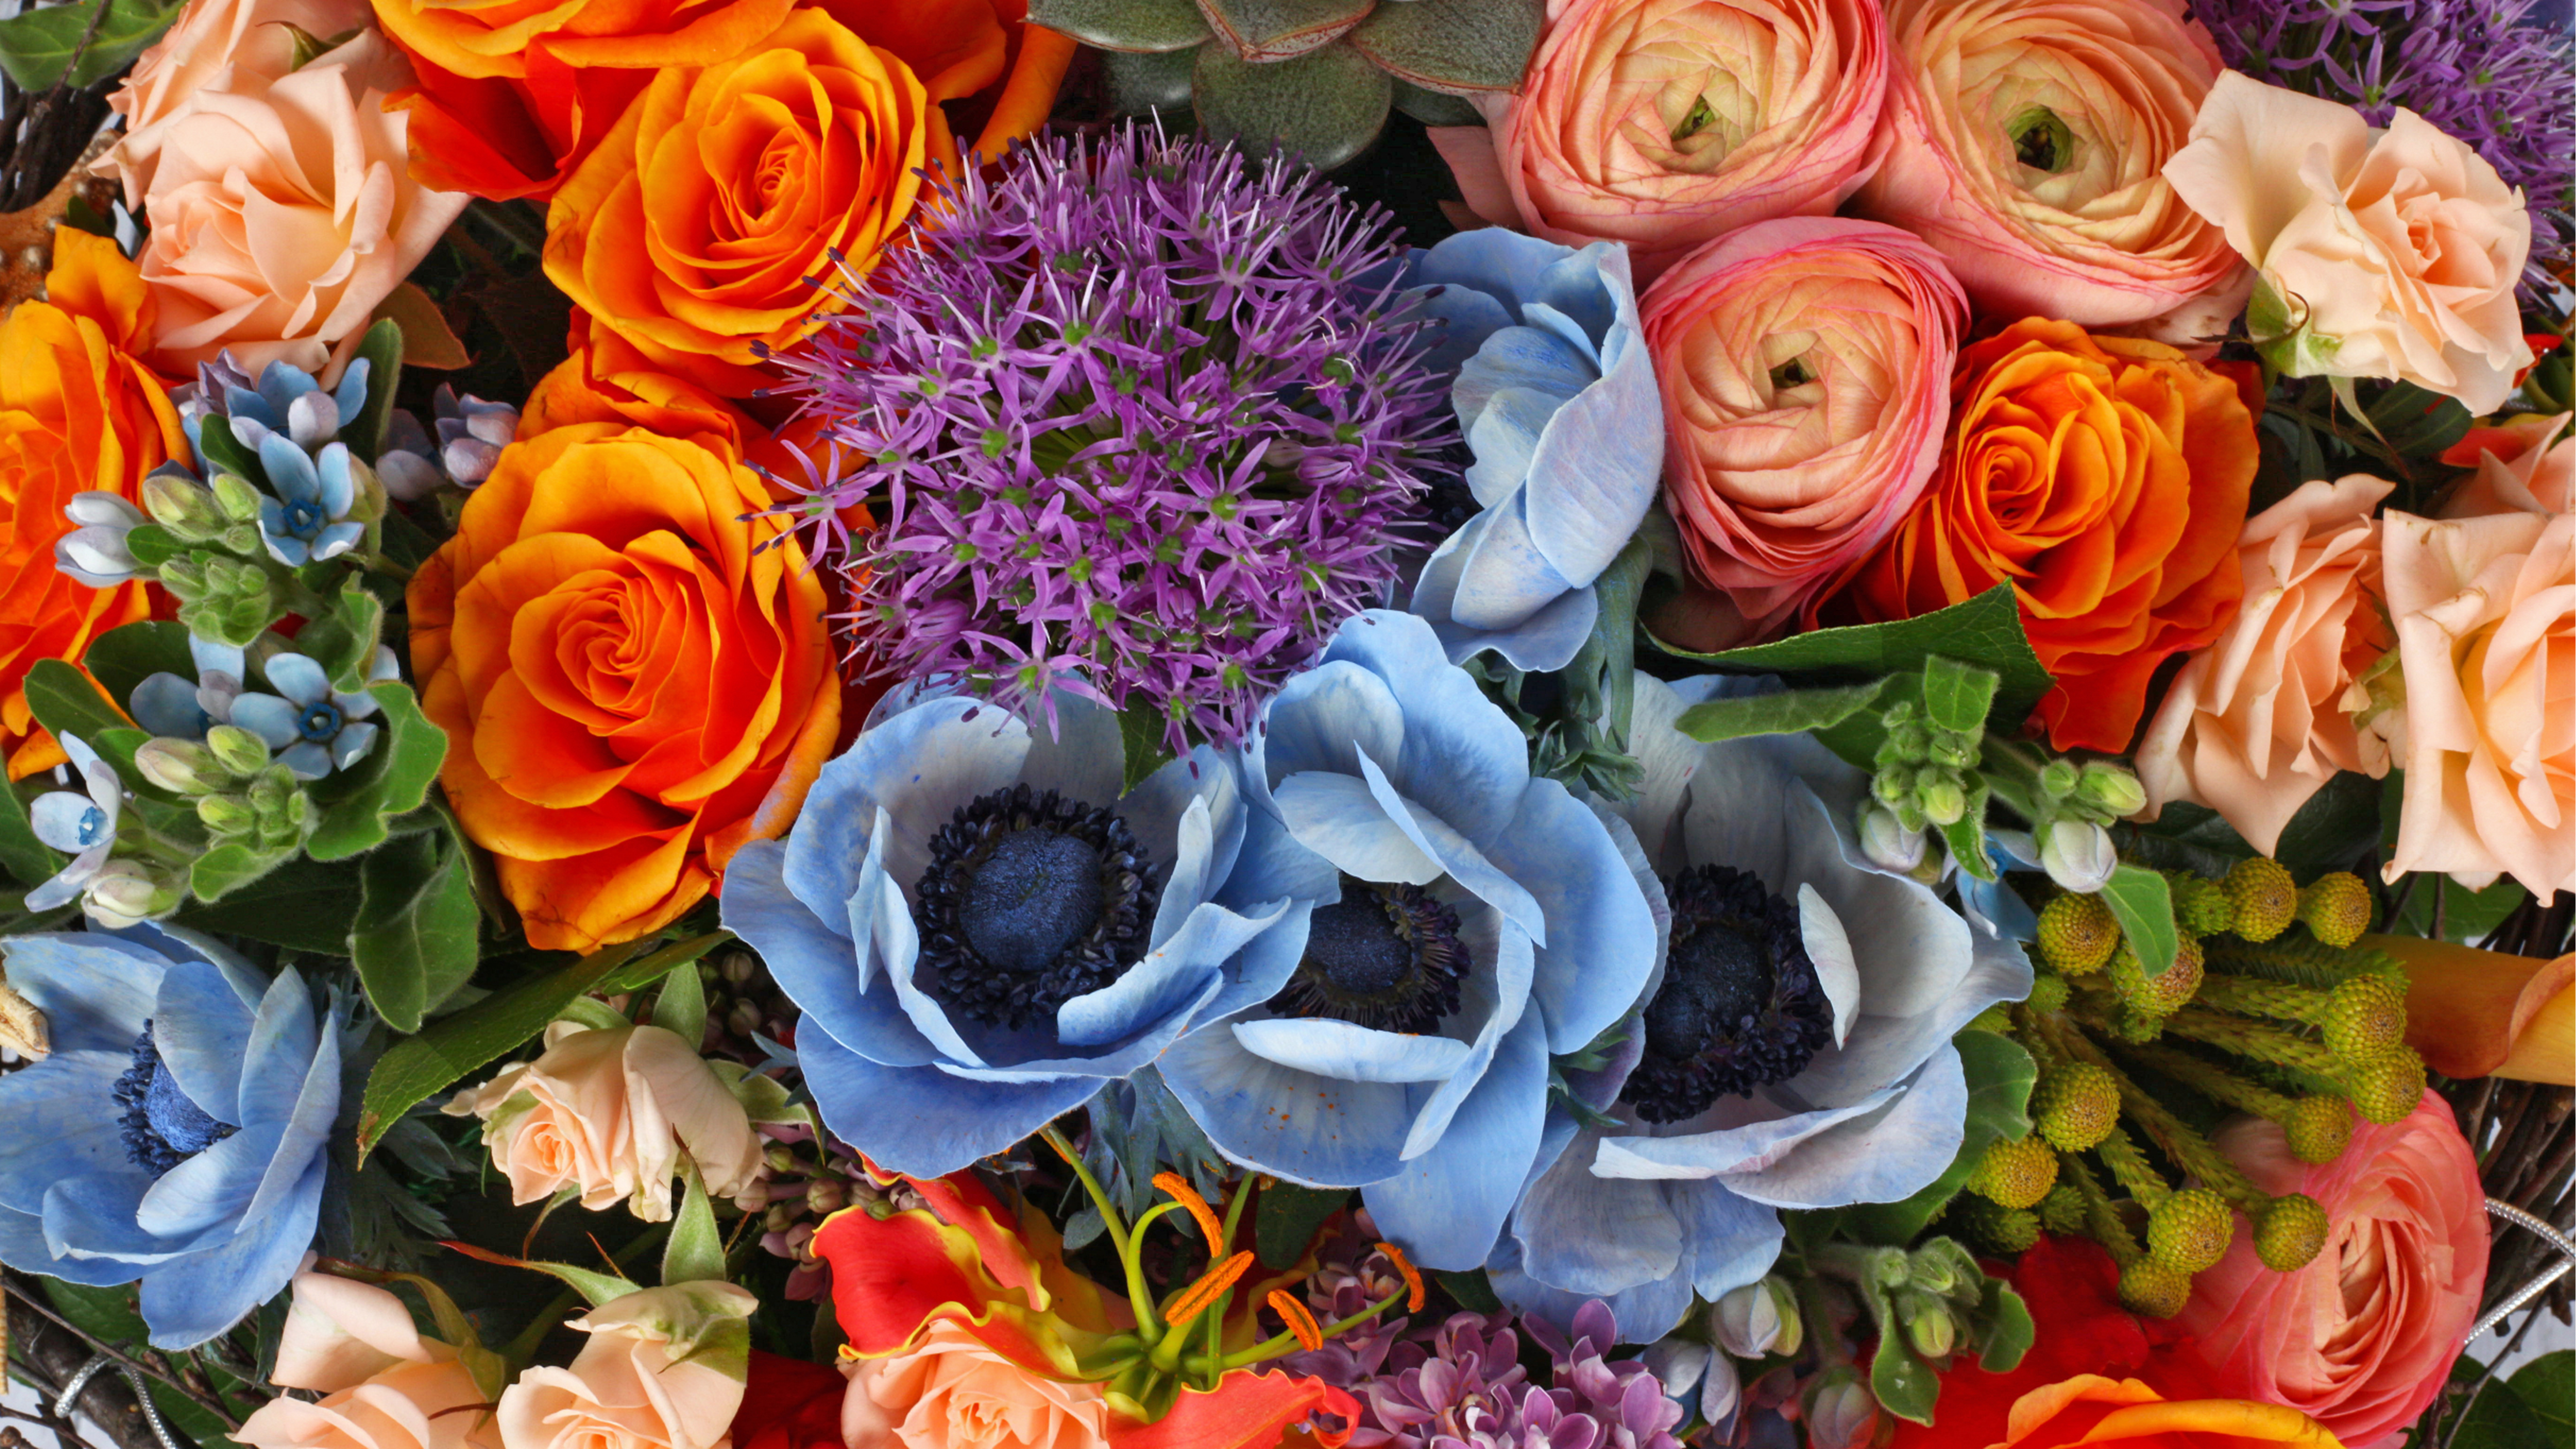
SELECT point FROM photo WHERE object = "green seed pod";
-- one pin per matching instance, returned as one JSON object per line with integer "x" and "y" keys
{"x": 2335, "y": 908}
{"x": 2149, "y": 1287}
{"x": 2290, "y": 1233}
{"x": 2387, "y": 1089}
{"x": 2077, "y": 934}
{"x": 2190, "y": 1230}
{"x": 2201, "y": 908}
{"x": 2319, "y": 1128}
{"x": 2015, "y": 1173}
{"x": 2158, "y": 995}
{"x": 2266, "y": 898}
{"x": 2048, "y": 993}
{"x": 2365, "y": 1019}
{"x": 2062, "y": 1211}
{"x": 2076, "y": 1106}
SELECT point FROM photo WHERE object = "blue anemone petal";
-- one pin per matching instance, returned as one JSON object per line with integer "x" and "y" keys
{"x": 925, "y": 1122}
{"x": 63, "y": 1119}
{"x": 1448, "y": 1204}
{"x": 192, "y": 1299}
{"x": 203, "y": 1032}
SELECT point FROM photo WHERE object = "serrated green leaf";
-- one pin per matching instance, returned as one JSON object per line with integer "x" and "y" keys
{"x": 359, "y": 803}
{"x": 1453, "y": 46}
{"x": 1267, "y": 31}
{"x": 1140, "y": 733}
{"x": 681, "y": 1008}
{"x": 1134, "y": 26}
{"x": 695, "y": 1251}
{"x": 1786, "y": 713}
{"x": 301, "y": 905}
{"x": 1288, "y": 1216}
{"x": 1326, "y": 106}
{"x": 2142, "y": 902}
{"x": 1957, "y": 696}
{"x": 382, "y": 348}
{"x": 36, "y": 46}
{"x": 1985, "y": 630}
{"x": 29, "y": 861}
{"x": 413, "y": 941}
{"x": 2000, "y": 1074}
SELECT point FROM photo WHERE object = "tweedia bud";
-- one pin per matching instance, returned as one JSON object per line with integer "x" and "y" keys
{"x": 1756, "y": 1319}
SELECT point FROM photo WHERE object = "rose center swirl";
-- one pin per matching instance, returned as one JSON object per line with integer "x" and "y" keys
{"x": 1740, "y": 1006}
{"x": 1383, "y": 956}
{"x": 1030, "y": 900}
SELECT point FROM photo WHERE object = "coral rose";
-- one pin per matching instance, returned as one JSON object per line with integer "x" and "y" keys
{"x": 634, "y": 679}
{"x": 1665, "y": 123}
{"x": 663, "y": 1369}
{"x": 2106, "y": 479}
{"x": 2525, "y": 465}
{"x": 1805, "y": 366}
{"x": 78, "y": 413}
{"x": 215, "y": 45}
{"x": 384, "y": 1386}
{"x": 948, "y": 1388}
{"x": 2382, "y": 253}
{"x": 2090, "y": 1409}
{"x": 2024, "y": 141}
{"x": 610, "y": 1113}
{"x": 2363, "y": 1337}
{"x": 2255, "y": 723}
{"x": 282, "y": 212}
{"x": 2485, "y": 726}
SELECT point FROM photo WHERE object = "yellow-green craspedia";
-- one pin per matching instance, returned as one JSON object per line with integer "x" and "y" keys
{"x": 2319, "y": 1128}
{"x": 2076, "y": 1106}
{"x": 2200, "y": 907}
{"x": 2150, "y": 1287}
{"x": 2290, "y": 1232}
{"x": 1996, "y": 1018}
{"x": 1997, "y": 1229}
{"x": 2265, "y": 897}
{"x": 2015, "y": 1172}
{"x": 2365, "y": 1018}
{"x": 2387, "y": 1088}
{"x": 2159, "y": 995}
{"x": 2077, "y": 933}
{"x": 2190, "y": 1230}
{"x": 2062, "y": 1211}
{"x": 2048, "y": 993}
{"x": 2335, "y": 908}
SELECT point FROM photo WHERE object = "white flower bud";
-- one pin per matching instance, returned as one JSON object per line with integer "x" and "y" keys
{"x": 1841, "y": 1413}
{"x": 313, "y": 419}
{"x": 1886, "y": 841}
{"x": 2111, "y": 789}
{"x": 2078, "y": 855}
{"x": 124, "y": 893}
{"x": 1756, "y": 1319}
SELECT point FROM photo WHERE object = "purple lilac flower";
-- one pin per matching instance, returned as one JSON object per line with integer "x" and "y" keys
{"x": 1142, "y": 419}
{"x": 2498, "y": 74}
{"x": 1466, "y": 1389}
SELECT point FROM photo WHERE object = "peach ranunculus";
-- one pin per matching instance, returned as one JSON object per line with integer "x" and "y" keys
{"x": 2090, "y": 1409}
{"x": 2024, "y": 138}
{"x": 1666, "y": 123}
{"x": 2363, "y": 1337}
{"x": 611, "y": 1112}
{"x": 2106, "y": 480}
{"x": 1805, "y": 366}
{"x": 2255, "y": 723}
{"x": 951, "y": 1389}
{"x": 663, "y": 1369}
{"x": 2485, "y": 725}
{"x": 2381, "y": 253}
{"x": 215, "y": 45}
{"x": 283, "y": 212}
{"x": 2525, "y": 465}
{"x": 384, "y": 1385}
{"x": 634, "y": 680}
{"x": 79, "y": 413}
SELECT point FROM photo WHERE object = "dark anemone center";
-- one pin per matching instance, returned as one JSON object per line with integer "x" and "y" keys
{"x": 161, "y": 1126}
{"x": 1031, "y": 900}
{"x": 1740, "y": 1006}
{"x": 1383, "y": 956}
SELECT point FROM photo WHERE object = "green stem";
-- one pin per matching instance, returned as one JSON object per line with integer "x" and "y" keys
{"x": 2129, "y": 1168}
{"x": 2211, "y": 1080}
{"x": 2100, "y": 1218}
{"x": 1217, "y": 1251}
{"x": 1149, "y": 1324}
{"x": 1270, "y": 1348}
{"x": 379, "y": 563}
{"x": 2186, "y": 1148}
{"x": 2253, "y": 1039}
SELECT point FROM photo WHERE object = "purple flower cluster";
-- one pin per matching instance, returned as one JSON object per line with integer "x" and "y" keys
{"x": 2498, "y": 74}
{"x": 1141, "y": 419}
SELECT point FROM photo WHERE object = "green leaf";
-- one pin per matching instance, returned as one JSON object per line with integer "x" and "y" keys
{"x": 344, "y": 639}
{"x": 108, "y": 1315}
{"x": 1326, "y": 105}
{"x": 2143, "y": 904}
{"x": 36, "y": 46}
{"x": 2548, "y": 1384}
{"x": 29, "y": 861}
{"x": 2000, "y": 1329}
{"x": 394, "y": 779}
{"x": 2333, "y": 829}
{"x": 413, "y": 940}
{"x": 382, "y": 348}
{"x": 228, "y": 867}
{"x": 1966, "y": 836}
{"x": 1285, "y": 1223}
{"x": 2499, "y": 1417}
{"x": 2418, "y": 424}
{"x": 1435, "y": 108}
{"x": 1473, "y": 1290}
{"x": 2467, "y": 915}
{"x": 124, "y": 657}
{"x": 66, "y": 702}
{"x": 695, "y": 1252}
{"x": 1903, "y": 1383}
{"x": 1140, "y": 730}
{"x": 1140, "y": 83}
{"x": 151, "y": 545}
{"x": 1958, "y": 696}
{"x": 1124, "y": 25}
{"x": 1453, "y": 45}
{"x": 301, "y": 905}
{"x": 2000, "y": 1075}
{"x": 1986, "y": 630}
{"x": 224, "y": 453}
{"x": 648, "y": 969}
{"x": 681, "y": 1009}
{"x": 1790, "y": 712}
{"x": 1268, "y": 31}
{"x": 594, "y": 1286}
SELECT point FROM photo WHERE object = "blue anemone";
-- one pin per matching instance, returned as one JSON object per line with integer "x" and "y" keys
{"x": 1557, "y": 397}
{"x": 1465, "y": 922}
{"x": 982, "y": 931}
{"x": 178, "y": 1131}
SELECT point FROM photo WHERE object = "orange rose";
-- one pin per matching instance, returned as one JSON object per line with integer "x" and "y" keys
{"x": 78, "y": 414}
{"x": 634, "y": 681}
{"x": 2090, "y": 1409}
{"x": 2106, "y": 478}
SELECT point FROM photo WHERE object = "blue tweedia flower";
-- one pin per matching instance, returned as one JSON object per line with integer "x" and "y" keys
{"x": 1794, "y": 1051}
{"x": 177, "y": 708}
{"x": 1557, "y": 396}
{"x": 178, "y": 1132}
{"x": 285, "y": 400}
{"x": 982, "y": 931}
{"x": 80, "y": 823}
{"x": 1464, "y": 923}
{"x": 308, "y": 521}
{"x": 314, "y": 729}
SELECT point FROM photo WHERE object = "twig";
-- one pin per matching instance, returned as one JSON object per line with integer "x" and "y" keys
{"x": 23, "y": 1293}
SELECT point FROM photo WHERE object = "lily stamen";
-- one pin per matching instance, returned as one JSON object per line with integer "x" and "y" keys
{"x": 1300, "y": 1322}
{"x": 1195, "y": 1298}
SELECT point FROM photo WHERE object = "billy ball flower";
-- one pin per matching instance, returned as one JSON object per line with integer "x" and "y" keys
{"x": 1147, "y": 419}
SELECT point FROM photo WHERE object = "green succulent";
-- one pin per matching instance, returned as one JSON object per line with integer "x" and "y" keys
{"x": 1315, "y": 76}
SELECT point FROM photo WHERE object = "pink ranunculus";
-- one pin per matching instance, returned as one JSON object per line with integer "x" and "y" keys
{"x": 1665, "y": 123}
{"x": 284, "y": 211}
{"x": 2024, "y": 140}
{"x": 2526, "y": 464}
{"x": 1805, "y": 366}
{"x": 215, "y": 45}
{"x": 384, "y": 1386}
{"x": 2255, "y": 723}
{"x": 2363, "y": 1337}
{"x": 663, "y": 1368}
{"x": 950, "y": 1391}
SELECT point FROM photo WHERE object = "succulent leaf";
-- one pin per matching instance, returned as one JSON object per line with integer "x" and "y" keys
{"x": 1326, "y": 107}
{"x": 1146, "y": 27}
{"x": 1459, "y": 47}
{"x": 1140, "y": 82}
{"x": 1435, "y": 108}
{"x": 1267, "y": 31}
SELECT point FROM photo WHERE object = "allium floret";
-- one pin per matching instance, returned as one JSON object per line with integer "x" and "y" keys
{"x": 1142, "y": 419}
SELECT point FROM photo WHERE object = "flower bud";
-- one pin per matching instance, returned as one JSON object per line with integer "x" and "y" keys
{"x": 1944, "y": 803}
{"x": 1756, "y": 1319}
{"x": 2078, "y": 855}
{"x": 236, "y": 498}
{"x": 1841, "y": 1413}
{"x": 1693, "y": 1375}
{"x": 1886, "y": 841}
{"x": 1955, "y": 751}
{"x": 825, "y": 1197}
{"x": 1928, "y": 1324}
{"x": 226, "y": 814}
{"x": 407, "y": 476}
{"x": 2057, "y": 779}
{"x": 96, "y": 556}
{"x": 1893, "y": 784}
{"x": 182, "y": 766}
{"x": 241, "y": 752}
{"x": 126, "y": 893}
{"x": 181, "y": 504}
{"x": 2111, "y": 789}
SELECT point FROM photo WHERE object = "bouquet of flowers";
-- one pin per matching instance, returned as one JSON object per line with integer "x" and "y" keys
{"x": 1201, "y": 724}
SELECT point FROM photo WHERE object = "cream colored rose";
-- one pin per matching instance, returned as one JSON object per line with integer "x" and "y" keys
{"x": 283, "y": 212}
{"x": 663, "y": 1369}
{"x": 2526, "y": 465}
{"x": 384, "y": 1385}
{"x": 216, "y": 45}
{"x": 2255, "y": 723}
{"x": 2382, "y": 253}
{"x": 608, "y": 1112}
{"x": 2485, "y": 726}
{"x": 951, "y": 1392}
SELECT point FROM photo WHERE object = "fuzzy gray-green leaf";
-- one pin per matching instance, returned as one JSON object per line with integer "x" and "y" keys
{"x": 1456, "y": 46}
{"x": 1326, "y": 106}
{"x": 1267, "y": 31}
{"x": 1138, "y": 26}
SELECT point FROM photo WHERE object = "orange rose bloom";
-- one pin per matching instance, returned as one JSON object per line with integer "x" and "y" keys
{"x": 78, "y": 413}
{"x": 2106, "y": 478}
{"x": 633, "y": 680}
{"x": 2090, "y": 1409}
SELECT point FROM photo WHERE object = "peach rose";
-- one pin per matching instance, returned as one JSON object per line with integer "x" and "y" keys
{"x": 610, "y": 1112}
{"x": 2525, "y": 465}
{"x": 2024, "y": 138}
{"x": 78, "y": 414}
{"x": 1665, "y": 123}
{"x": 2485, "y": 611}
{"x": 1805, "y": 365}
{"x": 634, "y": 679}
{"x": 384, "y": 1385}
{"x": 2255, "y": 723}
{"x": 2090, "y": 1409}
{"x": 2382, "y": 253}
{"x": 2363, "y": 1337}
{"x": 215, "y": 45}
{"x": 663, "y": 1369}
{"x": 949, "y": 1391}
{"x": 282, "y": 212}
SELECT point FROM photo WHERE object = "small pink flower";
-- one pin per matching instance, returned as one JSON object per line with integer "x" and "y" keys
{"x": 384, "y": 1385}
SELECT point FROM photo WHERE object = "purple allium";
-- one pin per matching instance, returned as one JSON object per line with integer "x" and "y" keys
{"x": 2493, "y": 73}
{"x": 1141, "y": 419}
